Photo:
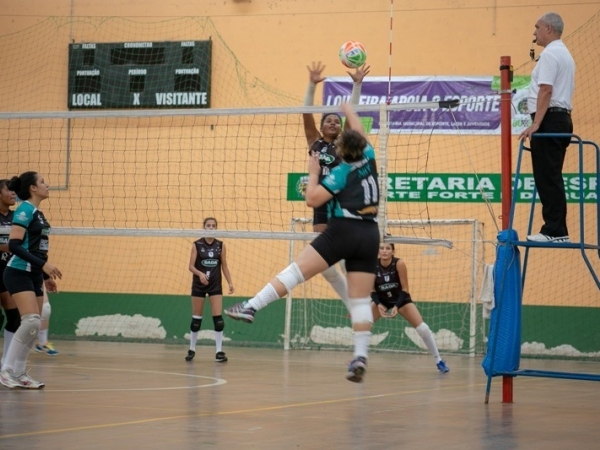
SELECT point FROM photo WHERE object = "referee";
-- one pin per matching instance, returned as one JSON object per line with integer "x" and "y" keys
{"x": 549, "y": 102}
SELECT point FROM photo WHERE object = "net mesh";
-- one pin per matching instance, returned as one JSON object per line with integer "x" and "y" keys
{"x": 125, "y": 174}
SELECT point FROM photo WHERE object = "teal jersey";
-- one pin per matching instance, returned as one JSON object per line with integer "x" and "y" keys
{"x": 355, "y": 189}
{"x": 37, "y": 231}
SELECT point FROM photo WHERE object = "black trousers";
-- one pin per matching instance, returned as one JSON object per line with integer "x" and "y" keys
{"x": 547, "y": 158}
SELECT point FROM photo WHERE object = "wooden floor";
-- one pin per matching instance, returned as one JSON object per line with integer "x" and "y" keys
{"x": 113, "y": 396}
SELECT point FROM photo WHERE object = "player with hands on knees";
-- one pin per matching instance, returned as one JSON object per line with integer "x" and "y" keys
{"x": 391, "y": 297}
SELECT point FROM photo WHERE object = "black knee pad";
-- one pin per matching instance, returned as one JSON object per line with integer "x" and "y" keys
{"x": 1, "y": 319}
{"x": 219, "y": 323}
{"x": 195, "y": 326}
{"x": 13, "y": 319}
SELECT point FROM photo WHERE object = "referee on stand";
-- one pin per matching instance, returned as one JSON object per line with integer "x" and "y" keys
{"x": 549, "y": 102}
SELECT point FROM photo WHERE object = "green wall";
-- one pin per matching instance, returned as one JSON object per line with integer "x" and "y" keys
{"x": 551, "y": 326}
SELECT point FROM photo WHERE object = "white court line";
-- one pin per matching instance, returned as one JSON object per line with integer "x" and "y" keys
{"x": 217, "y": 381}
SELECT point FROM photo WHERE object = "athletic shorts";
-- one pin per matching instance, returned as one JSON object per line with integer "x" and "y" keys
{"x": 2, "y": 286}
{"x": 17, "y": 281}
{"x": 320, "y": 215}
{"x": 391, "y": 304}
{"x": 353, "y": 240}
{"x": 202, "y": 290}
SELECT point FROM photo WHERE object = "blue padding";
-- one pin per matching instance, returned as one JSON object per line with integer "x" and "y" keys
{"x": 504, "y": 339}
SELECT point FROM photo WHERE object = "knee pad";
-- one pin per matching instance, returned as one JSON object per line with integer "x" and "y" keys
{"x": 331, "y": 274}
{"x": 13, "y": 320}
{"x": 360, "y": 310}
{"x": 29, "y": 329}
{"x": 1, "y": 319}
{"x": 195, "y": 326}
{"x": 46, "y": 311}
{"x": 219, "y": 323}
{"x": 290, "y": 277}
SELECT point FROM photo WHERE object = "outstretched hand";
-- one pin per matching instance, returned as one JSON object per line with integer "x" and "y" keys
{"x": 315, "y": 71}
{"x": 359, "y": 73}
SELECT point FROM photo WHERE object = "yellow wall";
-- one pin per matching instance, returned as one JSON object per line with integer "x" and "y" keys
{"x": 260, "y": 50}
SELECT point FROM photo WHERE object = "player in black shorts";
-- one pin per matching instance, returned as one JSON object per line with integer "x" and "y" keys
{"x": 8, "y": 199}
{"x": 207, "y": 261}
{"x": 322, "y": 143}
{"x": 26, "y": 273}
{"x": 351, "y": 192}
{"x": 391, "y": 296}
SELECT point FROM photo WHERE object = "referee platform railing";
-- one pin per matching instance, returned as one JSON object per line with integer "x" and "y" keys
{"x": 512, "y": 240}
{"x": 583, "y": 244}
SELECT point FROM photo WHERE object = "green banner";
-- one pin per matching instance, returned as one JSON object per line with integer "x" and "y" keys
{"x": 458, "y": 187}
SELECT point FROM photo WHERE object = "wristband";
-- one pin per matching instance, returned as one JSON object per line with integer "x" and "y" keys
{"x": 375, "y": 298}
{"x": 355, "y": 97}
{"x": 403, "y": 299}
{"x": 309, "y": 97}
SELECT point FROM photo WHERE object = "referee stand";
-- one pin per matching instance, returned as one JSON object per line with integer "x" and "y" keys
{"x": 504, "y": 340}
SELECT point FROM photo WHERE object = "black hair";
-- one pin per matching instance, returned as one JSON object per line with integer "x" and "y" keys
{"x": 329, "y": 114}
{"x": 210, "y": 218}
{"x": 4, "y": 183}
{"x": 21, "y": 184}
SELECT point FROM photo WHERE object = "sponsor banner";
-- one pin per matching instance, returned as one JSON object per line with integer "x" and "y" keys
{"x": 457, "y": 187}
{"x": 478, "y": 112}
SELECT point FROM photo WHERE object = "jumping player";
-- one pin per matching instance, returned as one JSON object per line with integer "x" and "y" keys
{"x": 352, "y": 234}
{"x": 321, "y": 142}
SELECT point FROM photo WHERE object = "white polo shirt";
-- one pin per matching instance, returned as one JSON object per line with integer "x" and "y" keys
{"x": 556, "y": 68}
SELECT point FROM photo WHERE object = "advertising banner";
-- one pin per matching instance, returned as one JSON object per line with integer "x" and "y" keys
{"x": 477, "y": 113}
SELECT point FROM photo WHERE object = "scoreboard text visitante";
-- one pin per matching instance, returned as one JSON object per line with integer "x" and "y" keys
{"x": 139, "y": 75}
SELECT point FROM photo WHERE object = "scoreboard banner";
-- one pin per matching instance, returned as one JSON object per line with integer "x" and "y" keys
{"x": 139, "y": 75}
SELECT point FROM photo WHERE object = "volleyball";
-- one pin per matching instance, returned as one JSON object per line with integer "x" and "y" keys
{"x": 353, "y": 54}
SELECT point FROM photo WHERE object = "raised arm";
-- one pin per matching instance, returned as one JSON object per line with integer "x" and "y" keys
{"x": 352, "y": 120}
{"x": 315, "y": 71}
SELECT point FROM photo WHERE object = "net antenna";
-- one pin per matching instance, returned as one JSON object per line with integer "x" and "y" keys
{"x": 389, "y": 93}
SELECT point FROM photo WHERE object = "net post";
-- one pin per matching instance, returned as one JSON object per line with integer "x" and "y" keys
{"x": 506, "y": 73}
{"x": 382, "y": 160}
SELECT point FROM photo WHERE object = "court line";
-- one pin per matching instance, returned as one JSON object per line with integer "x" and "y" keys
{"x": 218, "y": 381}
{"x": 242, "y": 411}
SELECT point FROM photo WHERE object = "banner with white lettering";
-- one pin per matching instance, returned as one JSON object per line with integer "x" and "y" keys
{"x": 461, "y": 187}
{"x": 478, "y": 112}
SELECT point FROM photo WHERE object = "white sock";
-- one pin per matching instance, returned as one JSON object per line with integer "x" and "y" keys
{"x": 43, "y": 337}
{"x": 361, "y": 343}
{"x": 193, "y": 340}
{"x": 8, "y": 336}
{"x": 429, "y": 340}
{"x": 219, "y": 341}
{"x": 267, "y": 295}
{"x": 338, "y": 283}
{"x": 16, "y": 357}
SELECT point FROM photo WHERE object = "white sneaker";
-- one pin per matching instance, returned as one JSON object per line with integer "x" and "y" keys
{"x": 7, "y": 379}
{"x": 24, "y": 381}
{"x": 540, "y": 237}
